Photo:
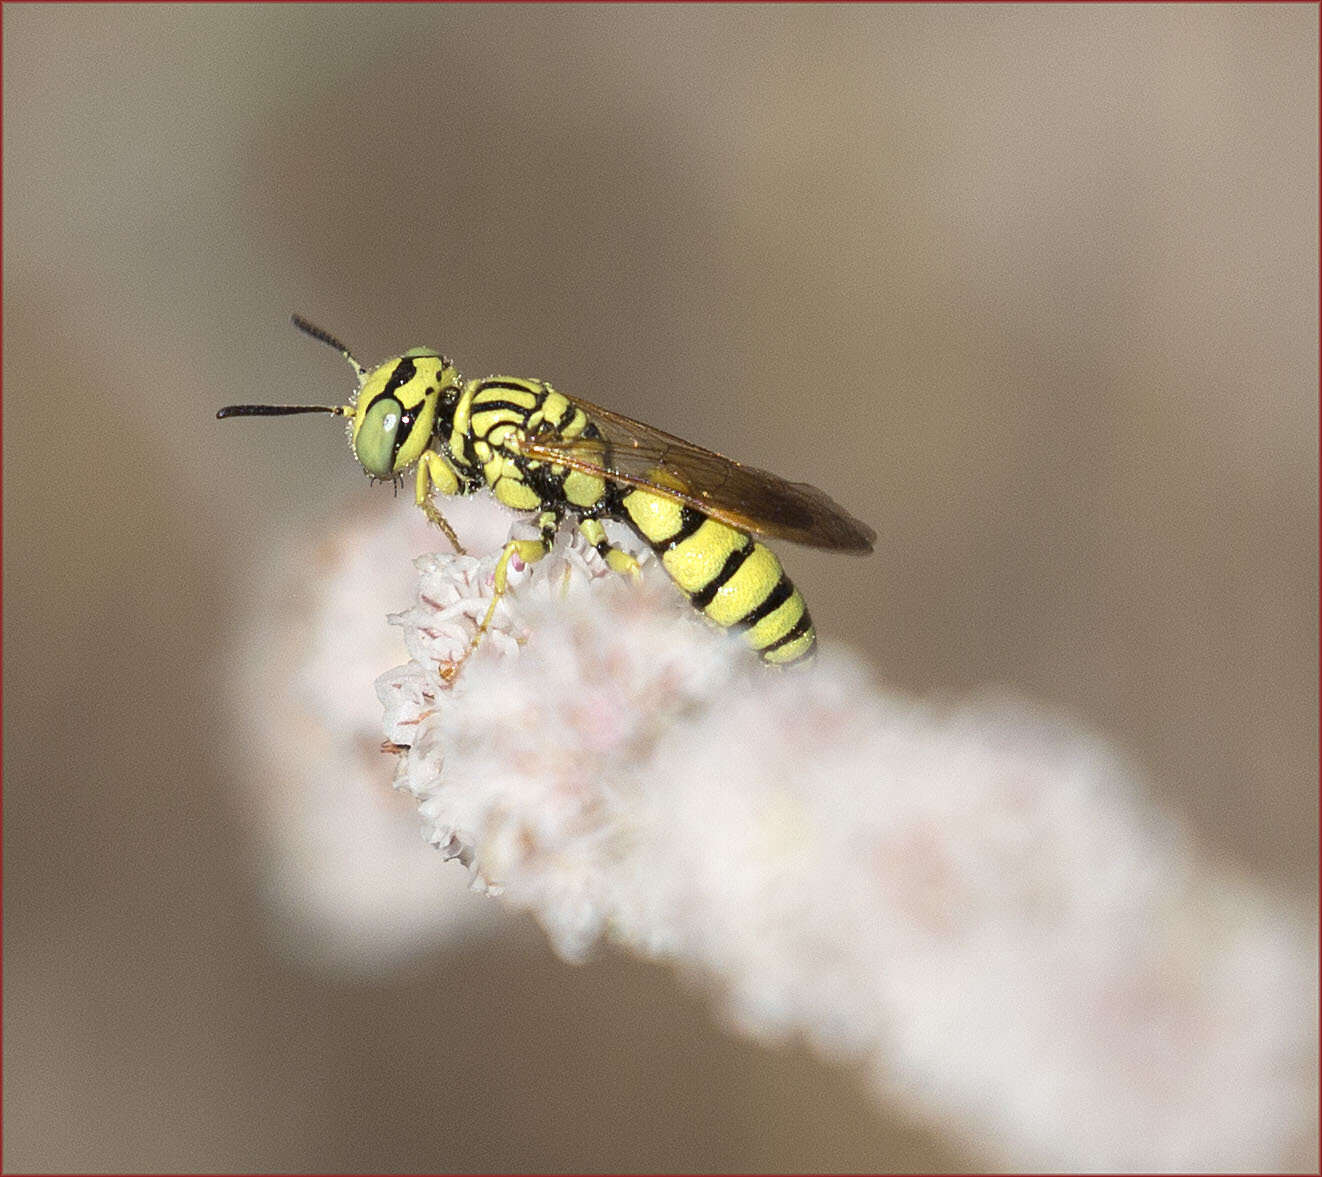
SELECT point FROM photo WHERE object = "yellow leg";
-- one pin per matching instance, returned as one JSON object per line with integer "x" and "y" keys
{"x": 433, "y": 472}
{"x": 527, "y": 550}
{"x": 429, "y": 509}
{"x": 617, "y": 560}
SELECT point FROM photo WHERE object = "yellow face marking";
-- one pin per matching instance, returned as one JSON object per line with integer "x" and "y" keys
{"x": 693, "y": 563}
{"x": 420, "y": 435}
{"x": 395, "y": 411}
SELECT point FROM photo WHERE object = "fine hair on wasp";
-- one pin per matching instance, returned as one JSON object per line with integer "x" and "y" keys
{"x": 557, "y": 457}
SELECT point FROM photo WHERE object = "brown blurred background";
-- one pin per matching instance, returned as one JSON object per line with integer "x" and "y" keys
{"x": 1031, "y": 289}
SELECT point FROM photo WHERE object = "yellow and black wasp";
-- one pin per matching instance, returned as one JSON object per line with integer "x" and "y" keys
{"x": 539, "y": 450}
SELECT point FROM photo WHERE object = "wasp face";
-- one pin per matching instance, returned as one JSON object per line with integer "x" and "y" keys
{"x": 395, "y": 413}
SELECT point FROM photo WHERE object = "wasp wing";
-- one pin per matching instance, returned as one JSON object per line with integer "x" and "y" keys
{"x": 743, "y": 497}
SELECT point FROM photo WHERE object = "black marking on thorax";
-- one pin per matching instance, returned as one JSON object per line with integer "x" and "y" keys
{"x": 464, "y": 463}
{"x": 527, "y": 387}
{"x": 490, "y": 406}
{"x": 533, "y": 386}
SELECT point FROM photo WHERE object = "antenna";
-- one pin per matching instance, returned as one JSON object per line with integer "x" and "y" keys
{"x": 279, "y": 410}
{"x": 326, "y": 337}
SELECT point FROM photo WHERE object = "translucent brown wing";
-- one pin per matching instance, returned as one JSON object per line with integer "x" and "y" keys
{"x": 745, "y": 497}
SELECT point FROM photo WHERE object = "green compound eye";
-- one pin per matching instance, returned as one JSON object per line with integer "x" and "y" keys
{"x": 374, "y": 443}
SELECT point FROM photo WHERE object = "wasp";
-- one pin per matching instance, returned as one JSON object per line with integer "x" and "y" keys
{"x": 542, "y": 451}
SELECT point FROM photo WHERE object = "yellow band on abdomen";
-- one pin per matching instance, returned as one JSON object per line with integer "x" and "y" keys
{"x": 735, "y": 581}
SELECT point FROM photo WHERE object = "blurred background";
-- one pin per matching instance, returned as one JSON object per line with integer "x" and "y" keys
{"x": 1033, "y": 290}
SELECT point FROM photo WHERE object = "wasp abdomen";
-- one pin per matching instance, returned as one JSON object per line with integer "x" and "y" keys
{"x": 733, "y": 579}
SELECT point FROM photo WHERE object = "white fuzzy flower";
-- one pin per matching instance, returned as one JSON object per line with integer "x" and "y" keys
{"x": 976, "y": 900}
{"x": 343, "y": 868}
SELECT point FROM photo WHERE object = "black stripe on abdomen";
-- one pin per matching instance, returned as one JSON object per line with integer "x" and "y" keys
{"x": 773, "y": 601}
{"x": 689, "y": 522}
{"x": 801, "y": 627}
{"x": 733, "y": 562}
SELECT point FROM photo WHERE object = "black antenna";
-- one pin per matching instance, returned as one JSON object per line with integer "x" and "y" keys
{"x": 276, "y": 410}
{"x": 326, "y": 337}
{"x": 288, "y": 410}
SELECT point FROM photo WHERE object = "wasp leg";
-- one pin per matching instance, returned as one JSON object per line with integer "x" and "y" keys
{"x": 616, "y": 559}
{"x": 527, "y": 550}
{"x": 433, "y": 473}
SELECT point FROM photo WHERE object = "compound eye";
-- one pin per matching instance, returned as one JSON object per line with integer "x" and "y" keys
{"x": 374, "y": 443}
